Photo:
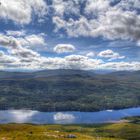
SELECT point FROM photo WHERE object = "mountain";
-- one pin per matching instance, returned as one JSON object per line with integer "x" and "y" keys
{"x": 69, "y": 90}
{"x": 43, "y": 73}
{"x": 125, "y": 73}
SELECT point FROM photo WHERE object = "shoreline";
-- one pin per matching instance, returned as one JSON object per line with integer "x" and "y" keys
{"x": 108, "y": 110}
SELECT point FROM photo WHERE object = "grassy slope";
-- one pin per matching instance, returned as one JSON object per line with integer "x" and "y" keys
{"x": 119, "y": 131}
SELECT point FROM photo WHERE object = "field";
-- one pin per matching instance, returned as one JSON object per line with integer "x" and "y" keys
{"x": 119, "y": 131}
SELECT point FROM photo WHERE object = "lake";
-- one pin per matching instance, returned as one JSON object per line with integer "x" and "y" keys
{"x": 36, "y": 117}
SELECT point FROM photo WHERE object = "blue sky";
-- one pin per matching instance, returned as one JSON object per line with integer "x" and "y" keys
{"x": 70, "y": 34}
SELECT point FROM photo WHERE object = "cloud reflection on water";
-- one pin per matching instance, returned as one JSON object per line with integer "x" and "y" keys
{"x": 63, "y": 117}
{"x": 18, "y": 116}
{"x": 36, "y": 117}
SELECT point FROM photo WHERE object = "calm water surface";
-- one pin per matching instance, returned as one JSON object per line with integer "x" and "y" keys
{"x": 36, "y": 117}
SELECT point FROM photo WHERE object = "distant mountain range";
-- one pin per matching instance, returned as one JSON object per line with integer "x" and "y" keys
{"x": 69, "y": 90}
{"x": 62, "y": 72}
{"x": 43, "y": 73}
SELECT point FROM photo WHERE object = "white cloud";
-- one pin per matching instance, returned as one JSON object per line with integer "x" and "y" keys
{"x": 96, "y": 7}
{"x": 6, "y": 59}
{"x": 27, "y": 60}
{"x": 76, "y": 28}
{"x": 15, "y": 48}
{"x": 129, "y": 4}
{"x": 103, "y": 19}
{"x": 111, "y": 55}
{"x": 134, "y": 65}
{"x": 120, "y": 24}
{"x": 97, "y": 18}
{"x": 34, "y": 40}
{"x": 90, "y": 54}
{"x": 19, "y": 38}
{"x": 64, "y": 48}
{"x": 16, "y": 33}
{"x": 74, "y": 58}
{"x": 81, "y": 62}
{"x": 21, "y": 57}
{"x": 20, "y": 11}
{"x": 8, "y": 41}
{"x": 62, "y": 7}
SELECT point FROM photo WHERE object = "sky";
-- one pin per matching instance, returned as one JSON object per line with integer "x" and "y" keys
{"x": 70, "y": 34}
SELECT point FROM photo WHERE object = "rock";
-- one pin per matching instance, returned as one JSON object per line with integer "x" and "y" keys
{"x": 71, "y": 136}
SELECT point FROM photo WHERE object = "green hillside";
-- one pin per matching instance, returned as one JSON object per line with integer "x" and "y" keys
{"x": 62, "y": 90}
{"x": 119, "y": 131}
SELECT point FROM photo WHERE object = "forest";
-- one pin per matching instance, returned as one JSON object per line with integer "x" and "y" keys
{"x": 69, "y": 90}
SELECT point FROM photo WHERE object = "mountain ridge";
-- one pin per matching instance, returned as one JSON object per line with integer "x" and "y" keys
{"x": 56, "y": 72}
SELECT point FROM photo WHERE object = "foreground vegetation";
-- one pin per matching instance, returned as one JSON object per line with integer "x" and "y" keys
{"x": 119, "y": 131}
{"x": 69, "y": 90}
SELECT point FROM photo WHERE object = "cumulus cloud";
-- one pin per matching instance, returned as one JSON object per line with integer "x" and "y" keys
{"x": 96, "y": 7}
{"x": 111, "y": 55}
{"x": 90, "y": 54}
{"x": 121, "y": 24}
{"x": 27, "y": 58}
{"x": 82, "y": 62}
{"x": 16, "y": 50}
{"x": 68, "y": 62}
{"x": 87, "y": 18}
{"x": 6, "y": 59}
{"x": 19, "y": 38}
{"x": 69, "y": 7}
{"x": 134, "y": 65}
{"x": 22, "y": 11}
{"x": 18, "y": 56}
{"x": 64, "y": 48}
{"x": 102, "y": 18}
{"x": 130, "y": 4}
{"x": 34, "y": 40}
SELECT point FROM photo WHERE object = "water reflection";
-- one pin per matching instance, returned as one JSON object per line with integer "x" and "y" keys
{"x": 17, "y": 116}
{"x": 36, "y": 117}
{"x": 63, "y": 117}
